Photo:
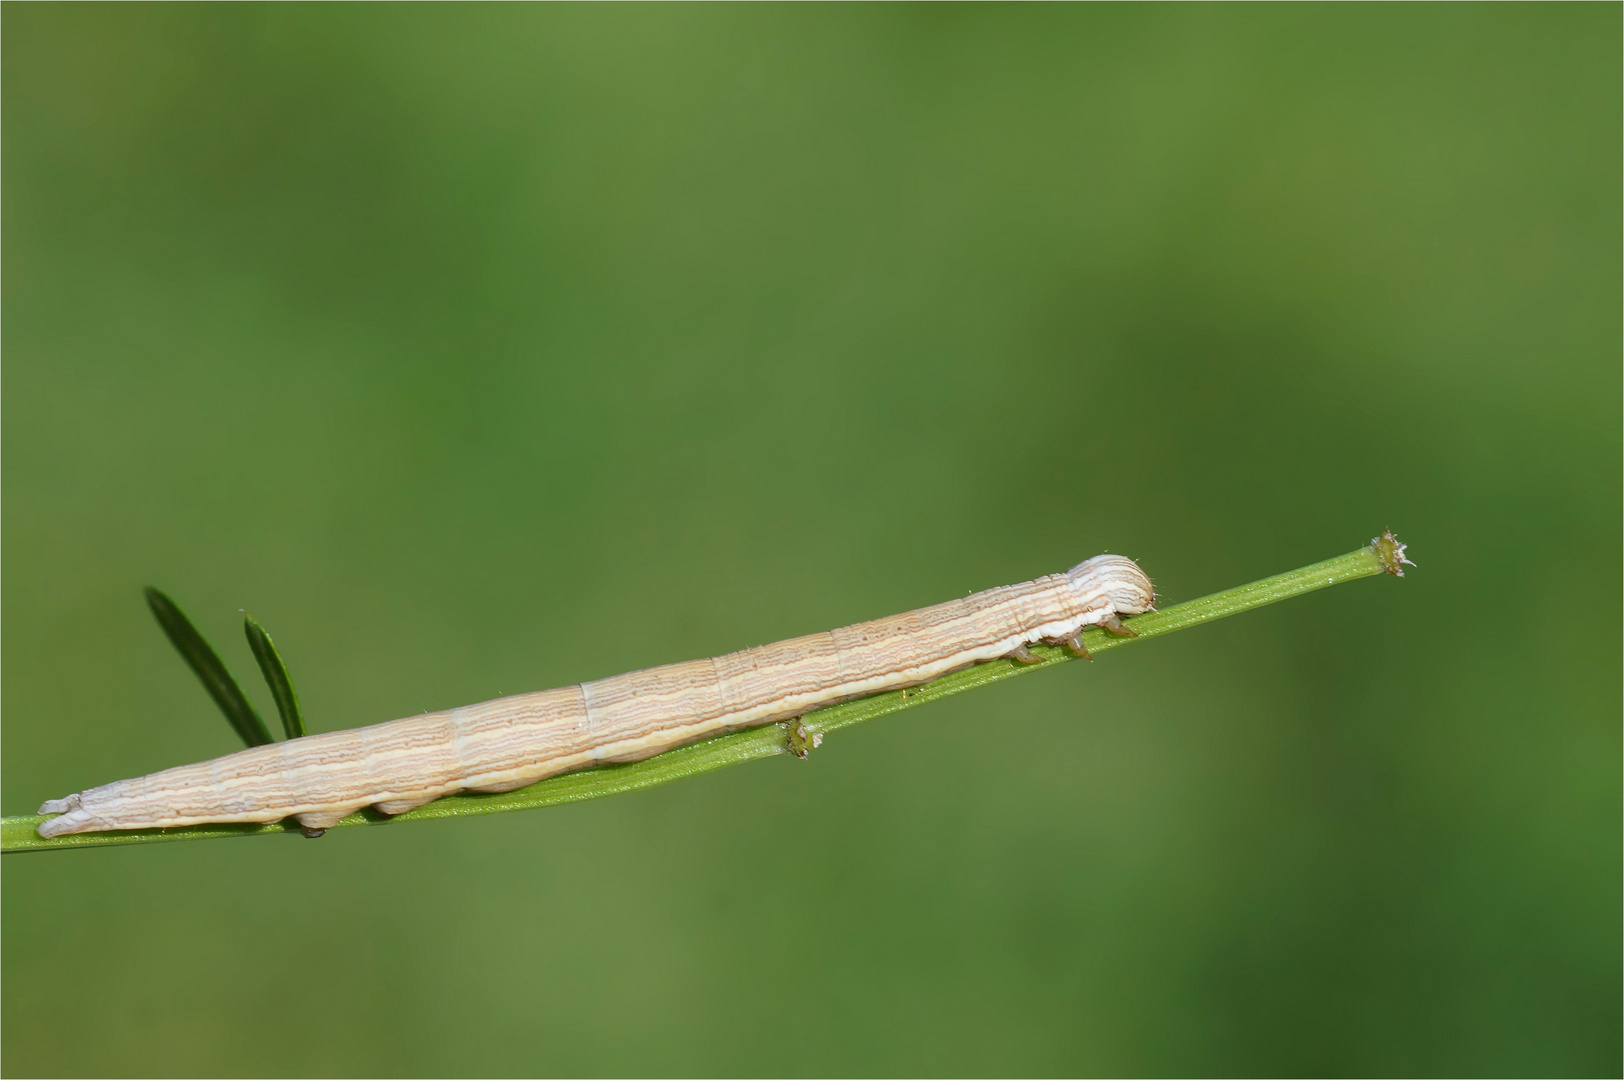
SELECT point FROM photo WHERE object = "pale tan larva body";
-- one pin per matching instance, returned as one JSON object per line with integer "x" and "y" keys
{"x": 514, "y": 741}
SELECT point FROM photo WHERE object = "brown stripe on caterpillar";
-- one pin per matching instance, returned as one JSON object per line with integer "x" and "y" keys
{"x": 514, "y": 741}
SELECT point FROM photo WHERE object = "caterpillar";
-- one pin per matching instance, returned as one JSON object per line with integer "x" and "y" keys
{"x": 514, "y": 741}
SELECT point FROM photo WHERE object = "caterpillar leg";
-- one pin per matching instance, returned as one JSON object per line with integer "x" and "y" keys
{"x": 1075, "y": 646}
{"x": 1114, "y": 627}
{"x": 73, "y": 818}
{"x": 315, "y": 822}
{"x": 400, "y": 806}
{"x": 1021, "y": 654}
{"x": 506, "y": 785}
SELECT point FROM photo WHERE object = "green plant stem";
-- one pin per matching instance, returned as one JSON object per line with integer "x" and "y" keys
{"x": 1385, "y": 555}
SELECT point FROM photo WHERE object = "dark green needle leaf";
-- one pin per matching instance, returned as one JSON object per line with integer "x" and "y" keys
{"x": 276, "y": 676}
{"x": 210, "y": 671}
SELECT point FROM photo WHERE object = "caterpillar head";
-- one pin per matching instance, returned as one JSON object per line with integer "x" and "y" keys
{"x": 1117, "y": 580}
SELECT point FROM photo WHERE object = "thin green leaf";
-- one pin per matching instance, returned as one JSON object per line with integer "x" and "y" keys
{"x": 276, "y": 676}
{"x": 210, "y": 670}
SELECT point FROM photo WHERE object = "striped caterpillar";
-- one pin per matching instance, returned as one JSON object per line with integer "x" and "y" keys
{"x": 515, "y": 741}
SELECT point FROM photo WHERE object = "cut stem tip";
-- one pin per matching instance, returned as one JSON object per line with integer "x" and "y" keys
{"x": 1391, "y": 553}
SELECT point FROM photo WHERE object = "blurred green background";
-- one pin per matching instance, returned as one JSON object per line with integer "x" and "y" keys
{"x": 486, "y": 349}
